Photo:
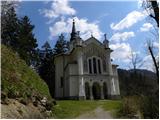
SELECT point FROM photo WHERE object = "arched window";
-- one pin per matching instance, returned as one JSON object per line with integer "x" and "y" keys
{"x": 99, "y": 66}
{"x": 94, "y": 65}
{"x": 90, "y": 66}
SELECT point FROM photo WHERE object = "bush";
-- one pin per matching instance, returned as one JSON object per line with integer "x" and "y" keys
{"x": 140, "y": 107}
{"x": 49, "y": 105}
{"x": 150, "y": 107}
{"x": 130, "y": 107}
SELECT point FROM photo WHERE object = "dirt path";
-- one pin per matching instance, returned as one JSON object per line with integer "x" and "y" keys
{"x": 98, "y": 113}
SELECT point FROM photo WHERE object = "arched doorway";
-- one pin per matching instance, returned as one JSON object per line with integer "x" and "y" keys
{"x": 105, "y": 91}
{"x": 96, "y": 90}
{"x": 87, "y": 93}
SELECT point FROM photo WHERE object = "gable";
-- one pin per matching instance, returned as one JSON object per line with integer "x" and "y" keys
{"x": 92, "y": 40}
{"x": 93, "y": 49}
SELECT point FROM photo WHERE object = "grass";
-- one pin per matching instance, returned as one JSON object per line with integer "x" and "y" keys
{"x": 17, "y": 79}
{"x": 72, "y": 108}
{"x": 111, "y": 104}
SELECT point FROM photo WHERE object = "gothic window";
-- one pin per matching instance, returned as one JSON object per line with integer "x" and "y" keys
{"x": 99, "y": 66}
{"x": 94, "y": 65}
{"x": 90, "y": 66}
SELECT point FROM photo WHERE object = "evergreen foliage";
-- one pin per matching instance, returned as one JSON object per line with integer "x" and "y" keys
{"x": 61, "y": 45}
{"x": 46, "y": 69}
{"x": 9, "y": 25}
{"x": 18, "y": 33}
{"x": 26, "y": 41}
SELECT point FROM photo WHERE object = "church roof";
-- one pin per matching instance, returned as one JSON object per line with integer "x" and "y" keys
{"x": 92, "y": 39}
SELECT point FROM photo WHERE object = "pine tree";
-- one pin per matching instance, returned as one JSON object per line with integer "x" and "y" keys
{"x": 46, "y": 68}
{"x": 61, "y": 45}
{"x": 46, "y": 46}
{"x": 26, "y": 41}
{"x": 9, "y": 24}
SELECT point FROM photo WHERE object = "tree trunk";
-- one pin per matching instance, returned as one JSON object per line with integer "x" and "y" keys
{"x": 155, "y": 7}
{"x": 155, "y": 64}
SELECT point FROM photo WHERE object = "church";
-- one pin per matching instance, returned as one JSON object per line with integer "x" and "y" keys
{"x": 85, "y": 70}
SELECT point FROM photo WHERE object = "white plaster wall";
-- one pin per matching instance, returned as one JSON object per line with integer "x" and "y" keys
{"x": 74, "y": 86}
{"x": 116, "y": 81}
{"x": 73, "y": 70}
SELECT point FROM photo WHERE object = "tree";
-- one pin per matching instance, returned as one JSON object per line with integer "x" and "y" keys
{"x": 46, "y": 68}
{"x": 152, "y": 7}
{"x": 26, "y": 42}
{"x": 151, "y": 51}
{"x": 135, "y": 60}
{"x": 46, "y": 46}
{"x": 61, "y": 45}
{"x": 9, "y": 24}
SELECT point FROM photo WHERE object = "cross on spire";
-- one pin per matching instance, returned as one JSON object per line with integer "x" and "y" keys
{"x": 105, "y": 36}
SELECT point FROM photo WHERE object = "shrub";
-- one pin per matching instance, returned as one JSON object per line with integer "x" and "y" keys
{"x": 140, "y": 107}
{"x": 130, "y": 107}
{"x": 150, "y": 107}
{"x": 49, "y": 105}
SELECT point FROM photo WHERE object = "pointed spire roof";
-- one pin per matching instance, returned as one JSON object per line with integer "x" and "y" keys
{"x": 74, "y": 33}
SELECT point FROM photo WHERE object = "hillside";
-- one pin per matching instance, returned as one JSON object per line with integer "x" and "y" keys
{"x": 19, "y": 83}
{"x": 144, "y": 82}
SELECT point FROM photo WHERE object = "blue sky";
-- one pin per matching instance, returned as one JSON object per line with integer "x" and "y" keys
{"x": 125, "y": 23}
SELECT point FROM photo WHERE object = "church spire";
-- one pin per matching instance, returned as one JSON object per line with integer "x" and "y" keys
{"x": 73, "y": 34}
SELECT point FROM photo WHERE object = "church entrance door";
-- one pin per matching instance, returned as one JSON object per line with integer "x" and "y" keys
{"x": 96, "y": 90}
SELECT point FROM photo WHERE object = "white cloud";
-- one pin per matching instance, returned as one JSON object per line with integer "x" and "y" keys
{"x": 58, "y": 7}
{"x": 61, "y": 9}
{"x": 146, "y": 27}
{"x": 131, "y": 19}
{"x": 140, "y": 3}
{"x": 122, "y": 36}
{"x": 82, "y": 25}
{"x": 121, "y": 52}
{"x": 156, "y": 44}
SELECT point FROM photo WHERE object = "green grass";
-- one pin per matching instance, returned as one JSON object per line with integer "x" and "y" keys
{"x": 72, "y": 108}
{"x": 111, "y": 104}
{"x": 17, "y": 78}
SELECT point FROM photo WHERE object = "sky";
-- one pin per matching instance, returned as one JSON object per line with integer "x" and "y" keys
{"x": 125, "y": 23}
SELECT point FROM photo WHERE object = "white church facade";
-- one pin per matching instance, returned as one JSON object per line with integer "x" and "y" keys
{"x": 85, "y": 70}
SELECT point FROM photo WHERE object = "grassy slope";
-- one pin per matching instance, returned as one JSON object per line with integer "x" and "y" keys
{"x": 71, "y": 109}
{"x": 17, "y": 78}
